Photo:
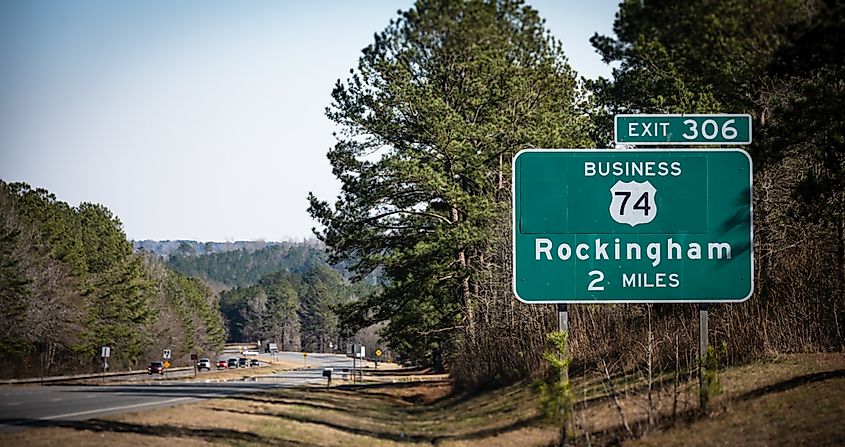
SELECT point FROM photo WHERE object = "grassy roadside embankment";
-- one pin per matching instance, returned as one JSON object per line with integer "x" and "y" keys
{"x": 792, "y": 400}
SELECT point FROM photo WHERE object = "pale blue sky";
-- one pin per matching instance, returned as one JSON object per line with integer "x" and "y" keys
{"x": 198, "y": 119}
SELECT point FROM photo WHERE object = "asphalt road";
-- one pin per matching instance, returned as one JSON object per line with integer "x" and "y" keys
{"x": 30, "y": 406}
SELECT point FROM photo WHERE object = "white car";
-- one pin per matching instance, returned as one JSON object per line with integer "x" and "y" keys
{"x": 250, "y": 352}
{"x": 204, "y": 363}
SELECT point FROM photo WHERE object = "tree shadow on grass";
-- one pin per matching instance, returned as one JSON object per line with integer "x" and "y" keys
{"x": 336, "y": 402}
{"x": 378, "y": 403}
{"x": 617, "y": 434}
{"x": 372, "y": 400}
{"x": 789, "y": 384}
{"x": 394, "y": 436}
{"x": 163, "y": 431}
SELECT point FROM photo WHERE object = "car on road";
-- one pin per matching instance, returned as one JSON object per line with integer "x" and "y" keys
{"x": 233, "y": 363}
{"x": 204, "y": 363}
{"x": 156, "y": 367}
{"x": 222, "y": 364}
{"x": 254, "y": 362}
{"x": 242, "y": 362}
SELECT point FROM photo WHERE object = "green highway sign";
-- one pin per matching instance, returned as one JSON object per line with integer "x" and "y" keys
{"x": 682, "y": 129}
{"x": 632, "y": 225}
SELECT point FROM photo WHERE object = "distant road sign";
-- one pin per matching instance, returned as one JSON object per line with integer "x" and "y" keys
{"x": 627, "y": 226}
{"x": 682, "y": 129}
{"x": 105, "y": 352}
{"x": 166, "y": 354}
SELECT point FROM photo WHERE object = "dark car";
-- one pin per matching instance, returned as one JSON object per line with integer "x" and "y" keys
{"x": 242, "y": 362}
{"x": 156, "y": 367}
{"x": 254, "y": 362}
{"x": 221, "y": 364}
{"x": 233, "y": 363}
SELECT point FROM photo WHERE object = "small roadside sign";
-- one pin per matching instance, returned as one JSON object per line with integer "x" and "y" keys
{"x": 166, "y": 364}
{"x": 165, "y": 354}
{"x": 685, "y": 129}
{"x": 378, "y": 352}
{"x": 106, "y": 352}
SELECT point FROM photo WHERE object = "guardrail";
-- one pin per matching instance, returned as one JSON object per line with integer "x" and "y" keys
{"x": 55, "y": 379}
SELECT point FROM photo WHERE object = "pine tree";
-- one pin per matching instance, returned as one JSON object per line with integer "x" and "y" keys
{"x": 430, "y": 120}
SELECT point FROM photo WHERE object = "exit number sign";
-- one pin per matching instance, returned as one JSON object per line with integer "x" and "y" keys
{"x": 682, "y": 129}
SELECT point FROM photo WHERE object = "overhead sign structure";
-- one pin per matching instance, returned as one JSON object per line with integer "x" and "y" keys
{"x": 682, "y": 129}
{"x": 632, "y": 226}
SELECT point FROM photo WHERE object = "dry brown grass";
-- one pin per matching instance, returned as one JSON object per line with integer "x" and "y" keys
{"x": 793, "y": 400}
{"x": 807, "y": 414}
{"x": 778, "y": 388}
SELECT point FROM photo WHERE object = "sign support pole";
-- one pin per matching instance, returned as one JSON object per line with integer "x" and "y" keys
{"x": 563, "y": 320}
{"x": 703, "y": 386}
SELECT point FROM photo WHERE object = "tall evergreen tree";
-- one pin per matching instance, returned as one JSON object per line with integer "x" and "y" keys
{"x": 323, "y": 293}
{"x": 429, "y": 122}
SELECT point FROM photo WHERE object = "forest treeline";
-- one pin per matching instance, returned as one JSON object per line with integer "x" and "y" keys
{"x": 297, "y": 311}
{"x": 285, "y": 292}
{"x": 240, "y": 268}
{"x": 70, "y": 284}
{"x": 443, "y": 98}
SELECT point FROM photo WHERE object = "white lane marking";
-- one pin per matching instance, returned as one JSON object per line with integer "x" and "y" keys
{"x": 57, "y": 399}
{"x": 124, "y": 407}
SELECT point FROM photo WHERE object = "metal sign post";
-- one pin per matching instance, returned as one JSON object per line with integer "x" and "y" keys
{"x": 105, "y": 353}
{"x": 563, "y": 322}
{"x": 703, "y": 342}
{"x": 361, "y": 351}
